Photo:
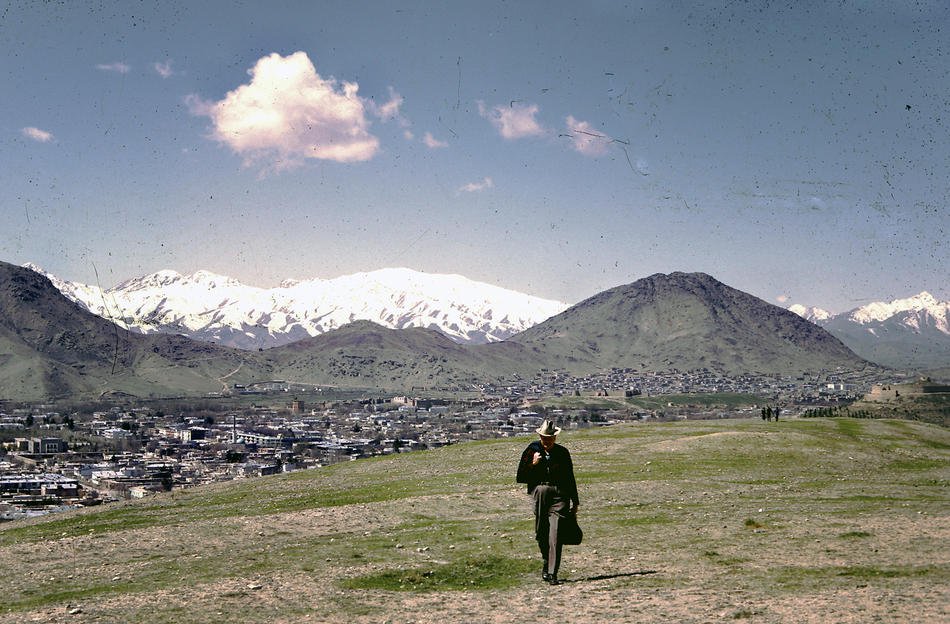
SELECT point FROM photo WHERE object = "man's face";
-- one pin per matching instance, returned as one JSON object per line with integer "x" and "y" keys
{"x": 548, "y": 442}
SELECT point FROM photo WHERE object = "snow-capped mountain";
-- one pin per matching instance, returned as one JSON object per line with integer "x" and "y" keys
{"x": 212, "y": 307}
{"x": 813, "y": 314}
{"x": 905, "y": 333}
{"x": 914, "y": 312}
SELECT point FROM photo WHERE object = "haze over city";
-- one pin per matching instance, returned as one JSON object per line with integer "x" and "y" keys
{"x": 797, "y": 152}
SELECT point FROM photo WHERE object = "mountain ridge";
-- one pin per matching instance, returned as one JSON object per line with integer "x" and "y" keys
{"x": 908, "y": 333}
{"x": 681, "y": 321}
{"x": 213, "y": 307}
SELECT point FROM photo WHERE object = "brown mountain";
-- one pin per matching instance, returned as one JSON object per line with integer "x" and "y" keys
{"x": 684, "y": 321}
{"x": 366, "y": 354}
{"x": 52, "y": 348}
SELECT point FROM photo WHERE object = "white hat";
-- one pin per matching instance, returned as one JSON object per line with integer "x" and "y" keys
{"x": 547, "y": 429}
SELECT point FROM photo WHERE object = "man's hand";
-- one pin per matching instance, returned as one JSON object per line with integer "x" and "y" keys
{"x": 536, "y": 459}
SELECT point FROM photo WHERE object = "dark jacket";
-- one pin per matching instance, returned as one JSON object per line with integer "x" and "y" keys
{"x": 557, "y": 470}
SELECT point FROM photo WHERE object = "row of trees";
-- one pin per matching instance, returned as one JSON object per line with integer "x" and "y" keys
{"x": 840, "y": 410}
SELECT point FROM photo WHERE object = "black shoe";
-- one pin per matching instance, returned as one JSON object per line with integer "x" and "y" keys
{"x": 552, "y": 580}
{"x": 545, "y": 577}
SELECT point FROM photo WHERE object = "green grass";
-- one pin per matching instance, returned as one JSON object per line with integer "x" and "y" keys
{"x": 801, "y": 578}
{"x": 639, "y": 521}
{"x": 854, "y": 534}
{"x": 722, "y": 560}
{"x": 641, "y": 402}
{"x": 333, "y": 486}
{"x": 759, "y": 507}
{"x": 921, "y": 463}
{"x": 849, "y": 427}
{"x": 483, "y": 573}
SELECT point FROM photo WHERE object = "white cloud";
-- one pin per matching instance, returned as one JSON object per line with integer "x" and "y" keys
{"x": 288, "y": 113}
{"x": 391, "y": 109}
{"x": 782, "y": 298}
{"x": 118, "y": 67}
{"x": 164, "y": 69}
{"x": 408, "y": 135}
{"x": 475, "y": 187}
{"x": 432, "y": 142}
{"x": 585, "y": 139}
{"x": 515, "y": 121}
{"x": 36, "y": 134}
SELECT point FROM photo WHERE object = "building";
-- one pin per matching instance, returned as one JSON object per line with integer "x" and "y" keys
{"x": 40, "y": 485}
{"x": 40, "y": 446}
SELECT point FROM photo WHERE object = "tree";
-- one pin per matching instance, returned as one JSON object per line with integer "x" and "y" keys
{"x": 28, "y": 421}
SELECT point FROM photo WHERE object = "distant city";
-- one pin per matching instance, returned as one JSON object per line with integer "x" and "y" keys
{"x": 54, "y": 458}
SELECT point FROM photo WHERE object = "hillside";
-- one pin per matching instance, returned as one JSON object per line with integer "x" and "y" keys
{"x": 805, "y": 520}
{"x": 369, "y": 355}
{"x": 925, "y": 401}
{"x": 50, "y": 347}
{"x": 685, "y": 321}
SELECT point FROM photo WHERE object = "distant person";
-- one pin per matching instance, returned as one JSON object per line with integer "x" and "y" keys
{"x": 547, "y": 469}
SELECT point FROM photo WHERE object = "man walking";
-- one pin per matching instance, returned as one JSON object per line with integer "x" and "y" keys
{"x": 547, "y": 469}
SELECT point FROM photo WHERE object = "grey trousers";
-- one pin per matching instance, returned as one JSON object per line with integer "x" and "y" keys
{"x": 549, "y": 508}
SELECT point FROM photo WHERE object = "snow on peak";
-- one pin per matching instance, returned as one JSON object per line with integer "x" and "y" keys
{"x": 153, "y": 280}
{"x": 212, "y": 280}
{"x": 83, "y": 294}
{"x": 812, "y": 314}
{"x": 880, "y": 311}
{"x": 209, "y": 306}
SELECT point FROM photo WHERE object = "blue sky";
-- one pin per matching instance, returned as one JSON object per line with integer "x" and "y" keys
{"x": 796, "y": 151}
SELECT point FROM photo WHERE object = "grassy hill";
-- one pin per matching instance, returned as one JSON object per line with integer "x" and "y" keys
{"x": 685, "y": 321}
{"x": 803, "y": 520}
{"x": 51, "y": 348}
{"x": 370, "y": 355}
{"x": 908, "y": 401}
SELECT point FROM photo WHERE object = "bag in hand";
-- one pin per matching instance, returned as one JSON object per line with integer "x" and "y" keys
{"x": 570, "y": 532}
